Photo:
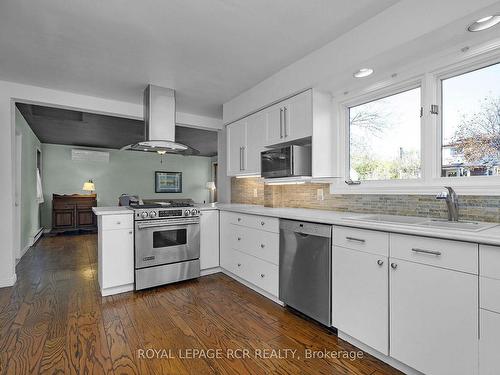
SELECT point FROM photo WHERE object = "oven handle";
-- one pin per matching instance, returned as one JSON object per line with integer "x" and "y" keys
{"x": 167, "y": 224}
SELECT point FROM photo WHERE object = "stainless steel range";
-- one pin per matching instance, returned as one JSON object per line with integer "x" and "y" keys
{"x": 167, "y": 244}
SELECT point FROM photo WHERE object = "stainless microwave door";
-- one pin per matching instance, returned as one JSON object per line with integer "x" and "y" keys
{"x": 276, "y": 163}
{"x": 166, "y": 244}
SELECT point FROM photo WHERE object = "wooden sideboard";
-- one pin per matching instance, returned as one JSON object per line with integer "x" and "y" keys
{"x": 73, "y": 212}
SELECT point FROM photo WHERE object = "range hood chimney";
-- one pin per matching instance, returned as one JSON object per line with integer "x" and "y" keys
{"x": 159, "y": 124}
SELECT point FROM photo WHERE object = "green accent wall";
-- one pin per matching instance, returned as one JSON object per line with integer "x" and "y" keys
{"x": 29, "y": 207}
{"x": 126, "y": 172}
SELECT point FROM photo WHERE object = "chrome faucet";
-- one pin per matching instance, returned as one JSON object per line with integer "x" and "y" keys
{"x": 451, "y": 199}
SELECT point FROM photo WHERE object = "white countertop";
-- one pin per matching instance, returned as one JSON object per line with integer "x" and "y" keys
{"x": 118, "y": 210}
{"x": 488, "y": 236}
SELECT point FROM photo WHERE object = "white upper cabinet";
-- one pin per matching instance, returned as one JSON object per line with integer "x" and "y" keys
{"x": 236, "y": 143}
{"x": 256, "y": 135}
{"x": 303, "y": 118}
{"x": 298, "y": 117}
{"x": 290, "y": 119}
{"x": 274, "y": 125}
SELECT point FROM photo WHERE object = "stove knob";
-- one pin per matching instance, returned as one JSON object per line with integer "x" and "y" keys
{"x": 194, "y": 212}
{"x": 186, "y": 213}
{"x": 144, "y": 215}
{"x": 152, "y": 214}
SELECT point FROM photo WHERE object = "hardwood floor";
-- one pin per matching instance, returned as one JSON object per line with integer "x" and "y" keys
{"x": 54, "y": 321}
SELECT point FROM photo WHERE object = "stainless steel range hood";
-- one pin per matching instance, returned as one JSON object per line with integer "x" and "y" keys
{"x": 159, "y": 124}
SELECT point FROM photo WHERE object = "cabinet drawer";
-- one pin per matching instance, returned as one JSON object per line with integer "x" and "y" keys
{"x": 361, "y": 239}
{"x": 256, "y": 271}
{"x": 111, "y": 222}
{"x": 258, "y": 243}
{"x": 269, "y": 224}
{"x": 489, "y": 292}
{"x": 263, "y": 274}
{"x": 459, "y": 256}
{"x": 489, "y": 261}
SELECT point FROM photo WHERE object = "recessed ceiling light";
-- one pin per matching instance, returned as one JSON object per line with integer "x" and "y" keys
{"x": 484, "y": 23}
{"x": 363, "y": 72}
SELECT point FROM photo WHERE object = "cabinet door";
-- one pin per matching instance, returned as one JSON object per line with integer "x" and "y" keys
{"x": 489, "y": 343}
{"x": 274, "y": 125}
{"x": 117, "y": 257}
{"x": 256, "y": 133}
{"x": 434, "y": 318}
{"x": 63, "y": 218}
{"x": 236, "y": 140}
{"x": 298, "y": 117}
{"x": 85, "y": 218}
{"x": 209, "y": 239}
{"x": 360, "y": 296}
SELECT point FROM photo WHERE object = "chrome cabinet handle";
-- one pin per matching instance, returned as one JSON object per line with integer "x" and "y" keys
{"x": 239, "y": 238}
{"x": 118, "y": 222}
{"x": 130, "y": 232}
{"x": 380, "y": 262}
{"x": 243, "y": 159}
{"x": 239, "y": 219}
{"x": 423, "y": 251}
{"x": 284, "y": 121}
{"x": 394, "y": 266}
{"x": 281, "y": 122}
{"x": 239, "y": 264}
{"x": 262, "y": 245}
{"x": 355, "y": 239}
{"x": 262, "y": 223}
{"x": 262, "y": 275}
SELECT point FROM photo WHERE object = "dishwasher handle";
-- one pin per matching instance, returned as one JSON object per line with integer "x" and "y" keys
{"x": 306, "y": 228}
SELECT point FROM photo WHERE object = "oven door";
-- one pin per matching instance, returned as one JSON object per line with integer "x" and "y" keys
{"x": 276, "y": 163}
{"x": 157, "y": 242}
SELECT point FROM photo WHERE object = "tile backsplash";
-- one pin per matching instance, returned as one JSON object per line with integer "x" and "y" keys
{"x": 253, "y": 191}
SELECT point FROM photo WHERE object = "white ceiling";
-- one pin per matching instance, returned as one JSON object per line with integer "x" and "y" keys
{"x": 208, "y": 50}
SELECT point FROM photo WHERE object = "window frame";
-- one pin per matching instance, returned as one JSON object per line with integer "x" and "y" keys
{"x": 431, "y": 181}
{"x": 379, "y": 95}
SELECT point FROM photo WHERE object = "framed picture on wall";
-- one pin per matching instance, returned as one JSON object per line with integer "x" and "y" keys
{"x": 168, "y": 182}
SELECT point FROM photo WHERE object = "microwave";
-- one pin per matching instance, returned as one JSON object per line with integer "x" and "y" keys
{"x": 288, "y": 161}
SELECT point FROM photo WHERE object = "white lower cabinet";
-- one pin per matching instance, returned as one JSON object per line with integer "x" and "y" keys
{"x": 249, "y": 253}
{"x": 489, "y": 343}
{"x": 116, "y": 254}
{"x": 360, "y": 297}
{"x": 209, "y": 239}
{"x": 433, "y": 318}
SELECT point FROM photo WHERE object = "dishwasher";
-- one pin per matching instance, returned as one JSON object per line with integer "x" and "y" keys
{"x": 305, "y": 268}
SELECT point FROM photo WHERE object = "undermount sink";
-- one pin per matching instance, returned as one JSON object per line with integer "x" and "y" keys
{"x": 389, "y": 219}
{"x": 469, "y": 226}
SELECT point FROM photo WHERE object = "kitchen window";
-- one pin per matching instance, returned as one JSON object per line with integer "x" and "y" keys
{"x": 470, "y": 142}
{"x": 385, "y": 139}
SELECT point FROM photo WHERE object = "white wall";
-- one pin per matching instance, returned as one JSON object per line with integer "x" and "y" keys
{"x": 10, "y": 93}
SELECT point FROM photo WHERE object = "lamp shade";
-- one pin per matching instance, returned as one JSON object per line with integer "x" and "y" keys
{"x": 210, "y": 185}
{"x": 88, "y": 186}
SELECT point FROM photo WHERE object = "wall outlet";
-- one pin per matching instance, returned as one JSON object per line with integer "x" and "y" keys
{"x": 255, "y": 194}
{"x": 319, "y": 194}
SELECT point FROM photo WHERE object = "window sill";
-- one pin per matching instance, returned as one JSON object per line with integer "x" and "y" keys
{"x": 461, "y": 187}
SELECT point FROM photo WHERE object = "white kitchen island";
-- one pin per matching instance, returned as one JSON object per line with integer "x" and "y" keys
{"x": 115, "y": 259}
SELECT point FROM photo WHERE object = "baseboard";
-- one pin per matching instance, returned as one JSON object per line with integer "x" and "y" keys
{"x": 389, "y": 360}
{"x": 253, "y": 287}
{"x": 8, "y": 282}
{"x": 210, "y": 271}
{"x": 37, "y": 235}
